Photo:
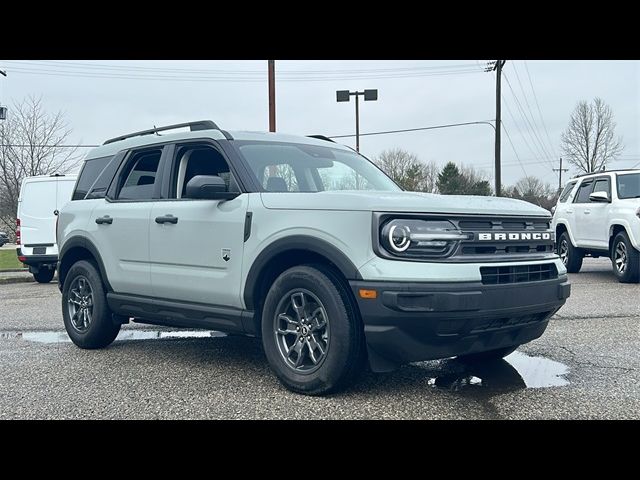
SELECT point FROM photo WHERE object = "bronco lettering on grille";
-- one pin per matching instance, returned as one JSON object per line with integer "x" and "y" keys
{"x": 515, "y": 236}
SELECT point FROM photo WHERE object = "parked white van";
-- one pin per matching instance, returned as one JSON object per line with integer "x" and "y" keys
{"x": 40, "y": 200}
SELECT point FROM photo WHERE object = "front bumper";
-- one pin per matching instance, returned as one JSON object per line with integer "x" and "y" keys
{"x": 409, "y": 322}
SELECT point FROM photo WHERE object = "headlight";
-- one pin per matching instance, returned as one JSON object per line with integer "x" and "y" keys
{"x": 420, "y": 238}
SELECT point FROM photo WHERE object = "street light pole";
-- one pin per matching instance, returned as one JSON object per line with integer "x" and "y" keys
{"x": 345, "y": 96}
{"x": 272, "y": 95}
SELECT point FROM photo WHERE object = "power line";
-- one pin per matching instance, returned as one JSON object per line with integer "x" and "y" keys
{"x": 526, "y": 101}
{"x": 535, "y": 97}
{"x": 514, "y": 150}
{"x": 487, "y": 122}
{"x": 529, "y": 127}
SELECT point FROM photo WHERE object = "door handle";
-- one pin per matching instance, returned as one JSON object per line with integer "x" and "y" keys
{"x": 104, "y": 220}
{"x": 569, "y": 211}
{"x": 587, "y": 212}
{"x": 167, "y": 219}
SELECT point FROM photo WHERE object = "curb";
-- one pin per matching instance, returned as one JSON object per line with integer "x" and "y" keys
{"x": 8, "y": 280}
{"x": 14, "y": 270}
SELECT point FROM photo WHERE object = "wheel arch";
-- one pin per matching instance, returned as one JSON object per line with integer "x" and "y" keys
{"x": 75, "y": 249}
{"x": 615, "y": 229}
{"x": 562, "y": 227}
{"x": 286, "y": 253}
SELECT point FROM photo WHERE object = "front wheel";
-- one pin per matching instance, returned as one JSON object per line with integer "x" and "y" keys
{"x": 488, "y": 356}
{"x": 571, "y": 256}
{"x": 625, "y": 259}
{"x": 86, "y": 314}
{"x": 44, "y": 275}
{"x": 311, "y": 333}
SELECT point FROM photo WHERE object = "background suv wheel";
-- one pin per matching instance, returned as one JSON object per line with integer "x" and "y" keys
{"x": 625, "y": 259}
{"x": 86, "y": 314}
{"x": 312, "y": 334}
{"x": 571, "y": 256}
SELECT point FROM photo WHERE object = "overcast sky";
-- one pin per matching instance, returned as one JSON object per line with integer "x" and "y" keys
{"x": 104, "y": 99}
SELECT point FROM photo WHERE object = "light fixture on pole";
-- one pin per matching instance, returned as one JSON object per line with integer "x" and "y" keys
{"x": 345, "y": 96}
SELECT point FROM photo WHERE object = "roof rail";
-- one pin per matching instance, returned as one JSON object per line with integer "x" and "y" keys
{"x": 606, "y": 171}
{"x": 194, "y": 126}
{"x": 321, "y": 137}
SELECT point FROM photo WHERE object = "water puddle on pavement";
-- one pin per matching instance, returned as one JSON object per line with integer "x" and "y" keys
{"x": 516, "y": 371}
{"x": 124, "y": 335}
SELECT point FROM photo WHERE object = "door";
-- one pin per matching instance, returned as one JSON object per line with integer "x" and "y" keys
{"x": 36, "y": 214}
{"x": 196, "y": 246}
{"x": 595, "y": 215}
{"x": 120, "y": 224}
{"x": 580, "y": 208}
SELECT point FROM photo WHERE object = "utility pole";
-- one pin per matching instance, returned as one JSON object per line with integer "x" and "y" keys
{"x": 272, "y": 95}
{"x": 560, "y": 177}
{"x": 497, "y": 67}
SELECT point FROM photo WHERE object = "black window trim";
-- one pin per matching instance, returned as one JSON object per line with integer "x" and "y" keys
{"x": 113, "y": 190}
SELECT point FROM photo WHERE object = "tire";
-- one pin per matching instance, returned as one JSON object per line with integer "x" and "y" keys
{"x": 571, "y": 256}
{"x": 319, "y": 294}
{"x": 100, "y": 329}
{"x": 625, "y": 259}
{"x": 44, "y": 275}
{"x": 488, "y": 356}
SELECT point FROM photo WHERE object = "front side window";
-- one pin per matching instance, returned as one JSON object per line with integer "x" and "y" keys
{"x": 629, "y": 185}
{"x": 293, "y": 167}
{"x": 602, "y": 185}
{"x": 193, "y": 160}
{"x": 139, "y": 176}
{"x": 583, "y": 193}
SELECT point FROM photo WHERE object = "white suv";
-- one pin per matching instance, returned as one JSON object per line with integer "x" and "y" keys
{"x": 304, "y": 243}
{"x": 599, "y": 215}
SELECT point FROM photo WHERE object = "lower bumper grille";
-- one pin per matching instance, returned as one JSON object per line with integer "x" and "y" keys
{"x": 518, "y": 274}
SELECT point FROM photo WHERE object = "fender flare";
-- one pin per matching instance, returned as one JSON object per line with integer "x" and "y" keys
{"x": 83, "y": 242}
{"x": 297, "y": 242}
{"x": 566, "y": 226}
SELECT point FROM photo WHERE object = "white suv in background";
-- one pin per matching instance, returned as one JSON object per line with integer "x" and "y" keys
{"x": 599, "y": 215}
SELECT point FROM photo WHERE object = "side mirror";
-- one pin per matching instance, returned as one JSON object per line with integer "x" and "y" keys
{"x": 602, "y": 197}
{"x": 209, "y": 187}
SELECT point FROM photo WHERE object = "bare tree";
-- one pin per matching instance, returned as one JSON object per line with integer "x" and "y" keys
{"x": 531, "y": 189}
{"x": 407, "y": 170}
{"x": 31, "y": 143}
{"x": 589, "y": 141}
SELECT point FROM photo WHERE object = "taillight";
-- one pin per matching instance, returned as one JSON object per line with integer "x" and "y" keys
{"x": 18, "y": 231}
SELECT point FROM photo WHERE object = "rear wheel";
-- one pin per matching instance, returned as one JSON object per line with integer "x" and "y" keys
{"x": 44, "y": 275}
{"x": 488, "y": 356}
{"x": 87, "y": 317}
{"x": 571, "y": 256}
{"x": 625, "y": 259}
{"x": 311, "y": 333}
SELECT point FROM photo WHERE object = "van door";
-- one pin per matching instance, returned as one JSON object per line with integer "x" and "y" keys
{"x": 36, "y": 208}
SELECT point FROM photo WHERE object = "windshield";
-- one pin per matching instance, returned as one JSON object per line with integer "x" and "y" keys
{"x": 629, "y": 185}
{"x": 293, "y": 167}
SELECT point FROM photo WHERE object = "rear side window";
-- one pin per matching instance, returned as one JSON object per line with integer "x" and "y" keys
{"x": 566, "y": 193}
{"x": 90, "y": 172}
{"x": 584, "y": 192}
{"x": 139, "y": 176}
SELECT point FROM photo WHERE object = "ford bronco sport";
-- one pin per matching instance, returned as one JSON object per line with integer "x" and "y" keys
{"x": 304, "y": 243}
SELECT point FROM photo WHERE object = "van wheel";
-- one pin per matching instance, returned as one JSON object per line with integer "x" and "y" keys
{"x": 625, "y": 259}
{"x": 570, "y": 255}
{"x": 488, "y": 356}
{"x": 86, "y": 314}
{"x": 44, "y": 275}
{"x": 312, "y": 335}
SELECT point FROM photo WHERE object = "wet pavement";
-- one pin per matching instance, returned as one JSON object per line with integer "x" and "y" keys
{"x": 585, "y": 366}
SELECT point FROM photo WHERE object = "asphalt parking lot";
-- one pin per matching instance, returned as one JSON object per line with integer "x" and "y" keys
{"x": 585, "y": 366}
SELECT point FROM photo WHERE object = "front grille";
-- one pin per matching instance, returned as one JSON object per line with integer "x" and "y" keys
{"x": 518, "y": 274}
{"x": 507, "y": 225}
{"x": 506, "y": 250}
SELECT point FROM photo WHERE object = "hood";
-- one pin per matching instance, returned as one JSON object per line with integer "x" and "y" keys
{"x": 375, "y": 201}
